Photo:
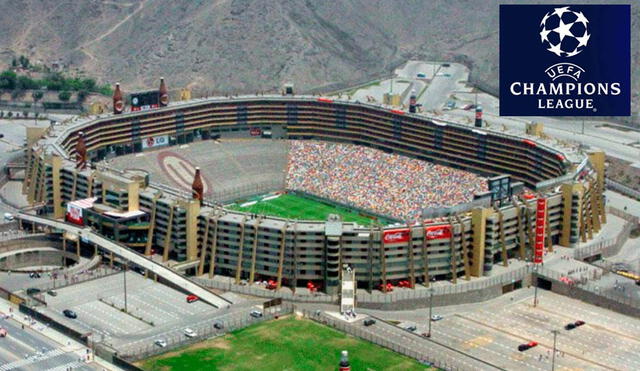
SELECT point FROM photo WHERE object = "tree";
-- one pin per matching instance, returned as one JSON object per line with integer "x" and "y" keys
{"x": 82, "y": 95}
{"x": 8, "y": 80}
{"x": 1, "y": 114}
{"x": 24, "y": 61}
{"x": 64, "y": 96}
{"x": 37, "y": 95}
{"x": 25, "y": 114}
{"x": 9, "y": 114}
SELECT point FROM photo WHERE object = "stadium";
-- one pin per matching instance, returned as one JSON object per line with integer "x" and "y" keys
{"x": 291, "y": 188}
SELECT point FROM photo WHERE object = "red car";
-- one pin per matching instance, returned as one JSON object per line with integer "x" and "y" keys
{"x": 192, "y": 298}
{"x": 529, "y": 345}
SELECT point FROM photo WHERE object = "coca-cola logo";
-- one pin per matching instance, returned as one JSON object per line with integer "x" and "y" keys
{"x": 164, "y": 99}
{"x": 438, "y": 232}
{"x": 119, "y": 106}
{"x": 396, "y": 236}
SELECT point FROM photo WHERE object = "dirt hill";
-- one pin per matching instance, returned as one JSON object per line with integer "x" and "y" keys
{"x": 249, "y": 45}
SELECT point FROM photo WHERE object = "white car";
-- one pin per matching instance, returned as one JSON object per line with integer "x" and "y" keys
{"x": 256, "y": 314}
{"x": 161, "y": 343}
{"x": 436, "y": 317}
{"x": 190, "y": 333}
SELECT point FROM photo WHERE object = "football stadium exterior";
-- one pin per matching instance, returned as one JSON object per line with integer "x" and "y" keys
{"x": 205, "y": 238}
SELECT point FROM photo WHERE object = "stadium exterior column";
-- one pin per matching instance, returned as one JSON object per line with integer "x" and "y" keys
{"x": 478, "y": 225}
{"x": 589, "y": 213}
{"x": 465, "y": 248}
{"x": 569, "y": 192}
{"x": 167, "y": 236}
{"x": 547, "y": 228}
{"x": 193, "y": 211}
{"x": 453, "y": 251}
{"x": 503, "y": 245}
{"x": 425, "y": 256}
{"x": 529, "y": 224}
{"x": 90, "y": 184}
{"x": 597, "y": 159}
{"x": 75, "y": 185}
{"x": 383, "y": 261}
{"x": 214, "y": 248}
{"x": 582, "y": 228}
{"x": 412, "y": 275}
{"x": 370, "y": 258}
{"x": 294, "y": 261}
{"x": 521, "y": 237}
{"x": 283, "y": 242}
{"x": 254, "y": 250}
{"x": 152, "y": 224}
{"x": 56, "y": 164}
{"x": 205, "y": 240}
{"x": 240, "y": 250}
{"x": 78, "y": 246}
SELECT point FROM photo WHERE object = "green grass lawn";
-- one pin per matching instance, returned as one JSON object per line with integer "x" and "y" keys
{"x": 292, "y": 206}
{"x": 284, "y": 344}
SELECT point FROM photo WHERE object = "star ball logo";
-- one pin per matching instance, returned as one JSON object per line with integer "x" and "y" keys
{"x": 560, "y": 60}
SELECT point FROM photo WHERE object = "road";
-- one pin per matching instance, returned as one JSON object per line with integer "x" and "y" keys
{"x": 29, "y": 350}
{"x": 132, "y": 256}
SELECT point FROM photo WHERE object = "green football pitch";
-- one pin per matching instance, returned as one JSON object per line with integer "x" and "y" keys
{"x": 284, "y": 344}
{"x": 293, "y": 206}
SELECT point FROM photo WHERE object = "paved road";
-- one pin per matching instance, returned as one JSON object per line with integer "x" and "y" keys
{"x": 132, "y": 256}
{"x": 28, "y": 350}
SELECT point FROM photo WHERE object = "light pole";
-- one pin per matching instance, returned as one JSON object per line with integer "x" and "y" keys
{"x": 553, "y": 357}
{"x": 430, "y": 310}
{"x": 126, "y": 264}
{"x": 535, "y": 285}
{"x": 582, "y": 127}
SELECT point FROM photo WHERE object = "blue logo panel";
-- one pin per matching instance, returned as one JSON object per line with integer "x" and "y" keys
{"x": 565, "y": 60}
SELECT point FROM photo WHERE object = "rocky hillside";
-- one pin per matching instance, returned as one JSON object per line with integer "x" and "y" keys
{"x": 249, "y": 45}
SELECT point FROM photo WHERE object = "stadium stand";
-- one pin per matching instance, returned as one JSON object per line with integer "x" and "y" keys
{"x": 370, "y": 179}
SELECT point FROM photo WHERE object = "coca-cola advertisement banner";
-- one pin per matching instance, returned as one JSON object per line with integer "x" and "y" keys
{"x": 396, "y": 236}
{"x": 74, "y": 214}
{"x": 438, "y": 232}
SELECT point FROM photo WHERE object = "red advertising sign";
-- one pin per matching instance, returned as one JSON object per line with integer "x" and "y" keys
{"x": 396, "y": 236}
{"x": 438, "y": 232}
{"x": 255, "y": 132}
{"x": 541, "y": 214}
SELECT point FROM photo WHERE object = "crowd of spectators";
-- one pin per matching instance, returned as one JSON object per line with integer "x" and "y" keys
{"x": 370, "y": 179}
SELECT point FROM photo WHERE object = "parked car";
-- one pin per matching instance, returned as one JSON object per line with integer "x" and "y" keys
{"x": 52, "y": 292}
{"x": 3, "y": 332}
{"x": 33, "y": 291}
{"x": 192, "y": 298}
{"x": 161, "y": 343}
{"x": 421, "y": 75}
{"x": 369, "y": 321}
{"x": 8, "y": 217}
{"x": 412, "y": 328}
{"x": 218, "y": 325}
{"x": 255, "y": 313}
{"x": 529, "y": 345}
{"x": 572, "y": 325}
{"x": 190, "y": 333}
{"x": 69, "y": 313}
{"x": 34, "y": 275}
{"x": 436, "y": 317}
{"x": 446, "y": 65}
{"x": 638, "y": 282}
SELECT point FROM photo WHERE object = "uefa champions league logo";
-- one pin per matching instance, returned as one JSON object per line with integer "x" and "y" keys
{"x": 564, "y": 32}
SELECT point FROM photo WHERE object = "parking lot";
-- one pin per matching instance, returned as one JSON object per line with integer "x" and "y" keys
{"x": 493, "y": 331}
{"x": 155, "y": 311}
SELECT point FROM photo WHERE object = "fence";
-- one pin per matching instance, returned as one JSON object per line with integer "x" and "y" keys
{"x": 622, "y": 189}
{"x": 425, "y": 351}
{"x": 412, "y": 298}
{"x": 610, "y": 246}
{"x": 82, "y": 338}
{"x": 67, "y": 279}
{"x": 262, "y": 292}
{"x": 591, "y": 292}
{"x": 205, "y": 330}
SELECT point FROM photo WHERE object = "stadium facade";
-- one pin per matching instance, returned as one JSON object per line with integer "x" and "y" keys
{"x": 207, "y": 239}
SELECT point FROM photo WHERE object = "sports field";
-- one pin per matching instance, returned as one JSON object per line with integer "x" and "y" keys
{"x": 284, "y": 344}
{"x": 293, "y": 206}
